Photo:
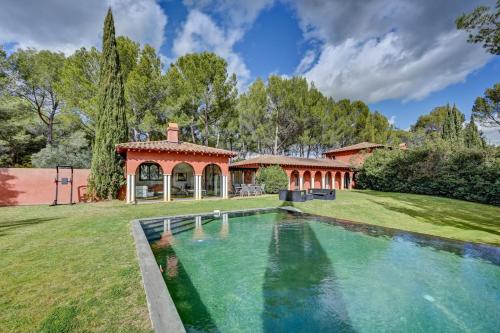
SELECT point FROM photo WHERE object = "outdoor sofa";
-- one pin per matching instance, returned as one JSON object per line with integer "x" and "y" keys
{"x": 295, "y": 196}
{"x": 322, "y": 194}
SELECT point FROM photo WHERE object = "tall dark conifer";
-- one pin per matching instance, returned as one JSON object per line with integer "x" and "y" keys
{"x": 472, "y": 137}
{"x": 111, "y": 128}
{"x": 452, "y": 127}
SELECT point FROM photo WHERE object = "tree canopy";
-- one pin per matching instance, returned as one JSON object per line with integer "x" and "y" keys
{"x": 483, "y": 26}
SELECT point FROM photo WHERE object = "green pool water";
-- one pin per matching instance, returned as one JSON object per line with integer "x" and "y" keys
{"x": 281, "y": 272}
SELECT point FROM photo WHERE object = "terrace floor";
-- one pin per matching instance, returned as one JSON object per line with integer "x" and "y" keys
{"x": 74, "y": 267}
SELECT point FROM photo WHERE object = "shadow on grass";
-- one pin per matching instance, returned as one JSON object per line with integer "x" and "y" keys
{"x": 11, "y": 225}
{"x": 432, "y": 210}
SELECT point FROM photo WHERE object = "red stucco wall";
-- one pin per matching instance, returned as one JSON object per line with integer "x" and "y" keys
{"x": 168, "y": 160}
{"x": 352, "y": 157}
{"x": 31, "y": 186}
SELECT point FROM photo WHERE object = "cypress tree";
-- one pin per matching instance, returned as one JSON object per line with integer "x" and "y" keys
{"x": 458, "y": 119}
{"x": 449, "y": 133}
{"x": 472, "y": 137}
{"x": 111, "y": 126}
{"x": 452, "y": 127}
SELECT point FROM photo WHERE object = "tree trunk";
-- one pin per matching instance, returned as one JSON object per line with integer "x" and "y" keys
{"x": 206, "y": 126}
{"x": 192, "y": 133}
{"x": 275, "y": 150}
{"x": 50, "y": 128}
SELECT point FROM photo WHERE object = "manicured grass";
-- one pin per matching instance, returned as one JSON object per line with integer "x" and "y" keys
{"x": 74, "y": 268}
{"x": 431, "y": 215}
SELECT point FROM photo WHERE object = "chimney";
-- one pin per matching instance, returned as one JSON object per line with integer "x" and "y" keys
{"x": 173, "y": 133}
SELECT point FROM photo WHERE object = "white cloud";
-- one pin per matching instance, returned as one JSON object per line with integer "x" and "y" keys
{"x": 306, "y": 62}
{"x": 68, "y": 25}
{"x": 491, "y": 134}
{"x": 235, "y": 13}
{"x": 381, "y": 49}
{"x": 200, "y": 33}
{"x": 380, "y": 69}
{"x": 392, "y": 120}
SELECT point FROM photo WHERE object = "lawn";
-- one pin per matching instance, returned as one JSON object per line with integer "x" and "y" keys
{"x": 73, "y": 268}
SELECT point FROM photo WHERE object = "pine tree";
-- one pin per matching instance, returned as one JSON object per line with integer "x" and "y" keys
{"x": 472, "y": 137}
{"x": 107, "y": 172}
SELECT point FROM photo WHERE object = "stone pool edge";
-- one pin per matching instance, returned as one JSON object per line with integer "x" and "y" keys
{"x": 162, "y": 311}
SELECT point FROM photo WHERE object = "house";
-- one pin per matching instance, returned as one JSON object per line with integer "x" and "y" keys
{"x": 172, "y": 169}
{"x": 353, "y": 155}
{"x": 303, "y": 173}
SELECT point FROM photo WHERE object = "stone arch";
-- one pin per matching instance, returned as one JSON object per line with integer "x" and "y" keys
{"x": 338, "y": 180}
{"x": 318, "y": 179}
{"x": 148, "y": 180}
{"x": 211, "y": 180}
{"x": 307, "y": 178}
{"x": 328, "y": 180}
{"x": 294, "y": 180}
{"x": 183, "y": 180}
{"x": 347, "y": 180}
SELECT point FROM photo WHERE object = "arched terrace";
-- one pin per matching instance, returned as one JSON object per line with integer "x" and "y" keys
{"x": 338, "y": 180}
{"x": 307, "y": 180}
{"x": 328, "y": 180}
{"x": 211, "y": 181}
{"x": 347, "y": 180}
{"x": 183, "y": 181}
{"x": 148, "y": 181}
{"x": 294, "y": 180}
{"x": 317, "y": 180}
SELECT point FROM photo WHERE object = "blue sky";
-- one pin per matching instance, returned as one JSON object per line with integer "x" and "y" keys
{"x": 402, "y": 57}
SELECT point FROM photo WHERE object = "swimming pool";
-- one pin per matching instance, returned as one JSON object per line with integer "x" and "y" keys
{"x": 281, "y": 271}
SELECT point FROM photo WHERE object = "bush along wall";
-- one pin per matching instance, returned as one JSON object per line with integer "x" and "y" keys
{"x": 274, "y": 178}
{"x": 435, "y": 169}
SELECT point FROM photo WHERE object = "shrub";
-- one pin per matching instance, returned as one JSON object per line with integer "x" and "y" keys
{"x": 73, "y": 151}
{"x": 435, "y": 169}
{"x": 274, "y": 178}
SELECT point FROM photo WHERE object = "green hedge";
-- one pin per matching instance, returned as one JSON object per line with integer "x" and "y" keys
{"x": 435, "y": 169}
{"x": 274, "y": 178}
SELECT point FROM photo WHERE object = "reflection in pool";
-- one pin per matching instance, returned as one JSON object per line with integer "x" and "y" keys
{"x": 276, "y": 271}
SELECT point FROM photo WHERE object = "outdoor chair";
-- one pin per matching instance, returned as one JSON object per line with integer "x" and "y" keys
{"x": 256, "y": 189}
{"x": 245, "y": 190}
{"x": 236, "y": 189}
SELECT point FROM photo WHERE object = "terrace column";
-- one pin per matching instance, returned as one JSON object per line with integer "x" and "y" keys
{"x": 342, "y": 180}
{"x": 166, "y": 187}
{"x": 197, "y": 187}
{"x": 133, "y": 189}
{"x": 128, "y": 188}
{"x": 323, "y": 181}
{"x": 301, "y": 182}
{"x": 224, "y": 187}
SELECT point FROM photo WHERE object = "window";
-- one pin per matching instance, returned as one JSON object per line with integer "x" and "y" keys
{"x": 150, "y": 171}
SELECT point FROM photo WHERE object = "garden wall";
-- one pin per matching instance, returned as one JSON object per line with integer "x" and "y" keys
{"x": 32, "y": 186}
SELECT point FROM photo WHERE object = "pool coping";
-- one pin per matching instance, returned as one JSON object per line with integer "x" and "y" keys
{"x": 162, "y": 311}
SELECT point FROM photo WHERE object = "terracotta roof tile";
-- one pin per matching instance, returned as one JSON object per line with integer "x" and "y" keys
{"x": 358, "y": 146}
{"x": 290, "y": 160}
{"x": 172, "y": 146}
